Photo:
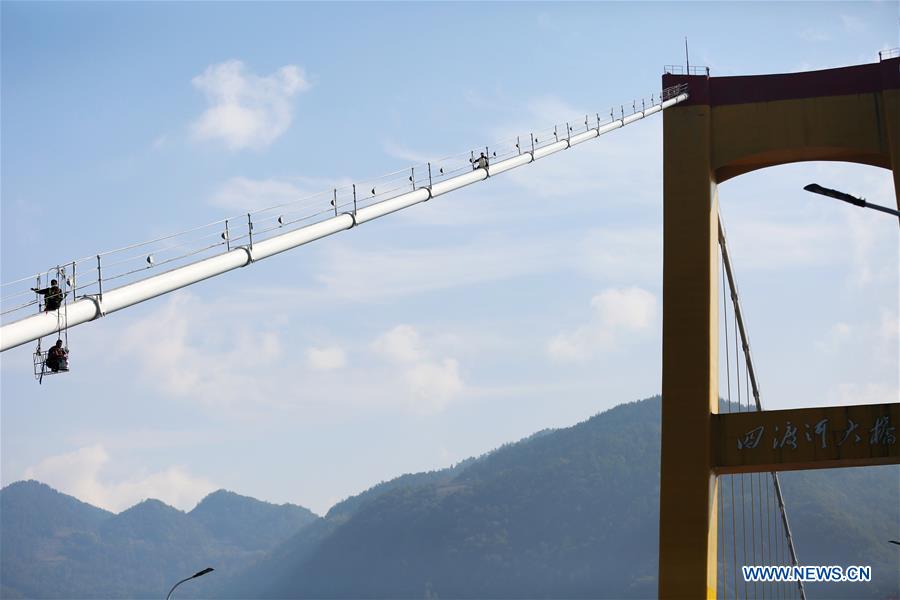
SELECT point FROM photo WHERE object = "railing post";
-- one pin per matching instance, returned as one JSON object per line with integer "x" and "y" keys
{"x": 555, "y": 133}
{"x": 250, "y": 230}
{"x": 99, "y": 277}
{"x": 354, "y": 202}
{"x": 412, "y": 177}
{"x": 227, "y": 237}
{"x": 429, "y": 176}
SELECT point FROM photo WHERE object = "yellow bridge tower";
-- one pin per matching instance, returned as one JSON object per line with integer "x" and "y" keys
{"x": 730, "y": 126}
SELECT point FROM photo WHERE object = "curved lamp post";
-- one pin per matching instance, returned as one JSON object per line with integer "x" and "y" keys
{"x": 815, "y": 188}
{"x": 194, "y": 576}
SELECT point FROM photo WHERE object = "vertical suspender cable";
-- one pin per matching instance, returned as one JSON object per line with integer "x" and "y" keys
{"x": 751, "y": 375}
{"x": 769, "y": 549}
{"x": 752, "y": 486}
{"x": 737, "y": 387}
{"x": 759, "y": 521}
{"x": 722, "y": 539}
{"x": 730, "y": 477}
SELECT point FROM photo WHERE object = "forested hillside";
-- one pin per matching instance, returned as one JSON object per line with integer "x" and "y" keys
{"x": 568, "y": 513}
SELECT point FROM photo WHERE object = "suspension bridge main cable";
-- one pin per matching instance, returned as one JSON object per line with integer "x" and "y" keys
{"x": 360, "y": 209}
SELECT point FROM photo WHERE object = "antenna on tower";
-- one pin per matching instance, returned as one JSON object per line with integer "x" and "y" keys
{"x": 687, "y": 60}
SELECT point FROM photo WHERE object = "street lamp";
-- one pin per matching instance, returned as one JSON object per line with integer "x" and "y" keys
{"x": 815, "y": 188}
{"x": 195, "y": 575}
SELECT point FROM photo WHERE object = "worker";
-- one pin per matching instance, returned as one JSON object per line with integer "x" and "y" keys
{"x": 58, "y": 358}
{"x": 53, "y": 294}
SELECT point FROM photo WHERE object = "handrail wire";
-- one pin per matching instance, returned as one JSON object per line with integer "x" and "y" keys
{"x": 302, "y": 212}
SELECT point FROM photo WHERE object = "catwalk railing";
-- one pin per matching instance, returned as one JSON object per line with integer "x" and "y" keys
{"x": 112, "y": 280}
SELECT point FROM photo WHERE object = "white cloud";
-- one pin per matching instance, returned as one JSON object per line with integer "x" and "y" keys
{"x": 433, "y": 385}
{"x": 811, "y": 231}
{"x": 616, "y": 312}
{"x": 627, "y": 308}
{"x": 853, "y": 24}
{"x": 400, "y": 151}
{"x": 621, "y": 253}
{"x": 240, "y": 194}
{"x": 78, "y": 473}
{"x": 303, "y": 196}
{"x": 237, "y": 369}
{"x": 810, "y": 34}
{"x": 400, "y": 344}
{"x": 325, "y": 359}
{"x": 246, "y": 110}
{"x": 597, "y": 170}
{"x": 889, "y": 329}
{"x": 160, "y": 142}
{"x": 347, "y": 273}
{"x": 865, "y": 393}
{"x": 772, "y": 245}
{"x": 430, "y": 384}
{"x": 837, "y": 336}
{"x": 355, "y": 274}
{"x": 196, "y": 359}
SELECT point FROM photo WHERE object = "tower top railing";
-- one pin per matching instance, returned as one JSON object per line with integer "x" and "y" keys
{"x": 683, "y": 70}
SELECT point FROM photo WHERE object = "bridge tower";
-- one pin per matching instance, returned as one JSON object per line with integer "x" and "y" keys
{"x": 730, "y": 126}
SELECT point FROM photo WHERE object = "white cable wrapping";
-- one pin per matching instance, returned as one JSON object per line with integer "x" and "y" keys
{"x": 91, "y": 307}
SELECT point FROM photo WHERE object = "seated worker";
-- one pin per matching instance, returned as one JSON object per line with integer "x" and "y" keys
{"x": 58, "y": 358}
{"x": 482, "y": 161}
{"x": 54, "y": 296}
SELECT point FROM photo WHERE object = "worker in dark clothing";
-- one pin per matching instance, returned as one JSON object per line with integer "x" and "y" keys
{"x": 481, "y": 162}
{"x": 53, "y": 295}
{"x": 58, "y": 358}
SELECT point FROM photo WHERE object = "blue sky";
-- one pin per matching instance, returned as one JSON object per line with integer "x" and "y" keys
{"x": 529, "y": 301}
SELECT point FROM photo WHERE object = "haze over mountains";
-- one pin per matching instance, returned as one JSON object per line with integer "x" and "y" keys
{"x": 53, "y": 545}
{"x": 569, "y": 513}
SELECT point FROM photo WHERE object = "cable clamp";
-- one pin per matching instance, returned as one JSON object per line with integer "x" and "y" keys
{"x": 353, "y": 217}
{"x": 249, "y": 252}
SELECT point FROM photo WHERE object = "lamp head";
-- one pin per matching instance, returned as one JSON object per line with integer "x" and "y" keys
{"x": 815, "y": 188}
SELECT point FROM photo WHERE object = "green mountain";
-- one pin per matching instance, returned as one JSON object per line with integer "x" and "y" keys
{"x": 54, "y": 546}
{"x": 40, "y": 527}
{"x": 569, "y": 513}
{"x": 249, "y": 523}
